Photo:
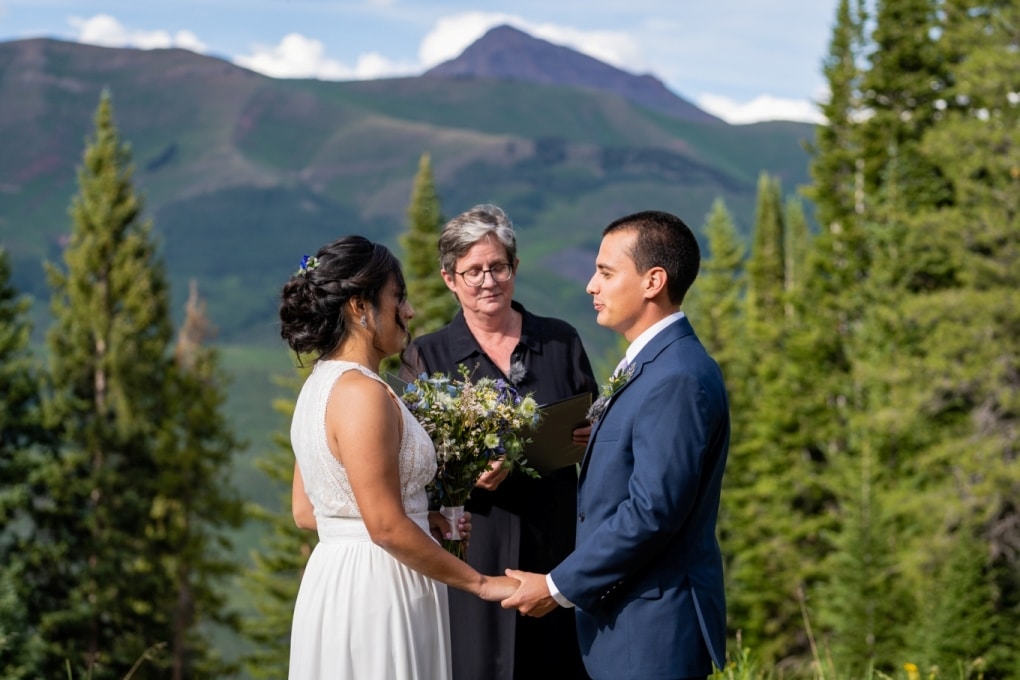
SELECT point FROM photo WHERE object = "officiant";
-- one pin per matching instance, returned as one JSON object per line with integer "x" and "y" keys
{"x": 516, "y": 519}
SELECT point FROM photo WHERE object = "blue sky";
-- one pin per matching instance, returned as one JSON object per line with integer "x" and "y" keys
{"x": 743, "y": 60}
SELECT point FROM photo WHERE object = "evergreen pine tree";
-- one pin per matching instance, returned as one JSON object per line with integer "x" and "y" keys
{"x": 963, "y": 286}
{"x": 717, "y": 295}
{"x": 196, "y": 505}
{"x": 766, "y": 268}
{"x": 280, "y": 560}
{"x": 960, "y": 615}
{"x": 769, "y": 545}
{"x": 830, "y": 304}
{"x": 20, "y": 428}
{"x": 902, "y": 333}
{"x": 18, "y": 651}
{"x": 434, "y": 305}
{"x": 796, "y": 243}
{"x": 864, "y": 602}
{"x": 901, "y": 90}
{"x": 836, "y": 159}
{"x": 22, "y": 444}
{"x": 102, "y": 598}
{"x": 941, "y": 304}
{"x": 829, "y": 307}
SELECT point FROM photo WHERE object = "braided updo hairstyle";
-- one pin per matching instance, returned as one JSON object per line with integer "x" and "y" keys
{"x": 313, "y": 305}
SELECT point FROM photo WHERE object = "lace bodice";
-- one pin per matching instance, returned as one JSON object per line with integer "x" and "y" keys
{"x": 325, "y": 479}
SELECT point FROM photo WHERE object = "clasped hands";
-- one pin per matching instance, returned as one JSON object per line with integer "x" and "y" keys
{"x": 521, "y": 590}
{"x": 524, "y": 591}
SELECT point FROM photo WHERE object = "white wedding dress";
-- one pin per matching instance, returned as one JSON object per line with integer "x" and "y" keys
{"x": 360, "y": 613}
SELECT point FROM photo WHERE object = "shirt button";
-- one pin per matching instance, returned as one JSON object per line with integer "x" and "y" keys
{"x": 580, "y": 517}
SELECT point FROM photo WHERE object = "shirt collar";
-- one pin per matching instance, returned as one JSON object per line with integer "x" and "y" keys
{"x": 642, "y": 340}
{"x": 460, "y": 334}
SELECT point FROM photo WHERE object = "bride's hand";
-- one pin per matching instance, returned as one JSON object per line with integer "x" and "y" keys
{"x": 440, "y": 527}
{"x": 464, "y": 526}
{"x": 497, "y": 588}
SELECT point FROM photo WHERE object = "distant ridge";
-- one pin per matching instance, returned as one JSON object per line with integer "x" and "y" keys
{"x": 506, "y": 53}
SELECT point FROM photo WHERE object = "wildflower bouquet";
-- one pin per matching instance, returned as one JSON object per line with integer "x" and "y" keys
{"x": 472, "y": 425}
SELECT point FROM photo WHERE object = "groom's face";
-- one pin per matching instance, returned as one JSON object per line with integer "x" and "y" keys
{"x": 616, "y": 287}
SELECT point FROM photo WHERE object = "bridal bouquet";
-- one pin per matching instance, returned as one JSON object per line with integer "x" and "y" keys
{"x": 472, "y": 425}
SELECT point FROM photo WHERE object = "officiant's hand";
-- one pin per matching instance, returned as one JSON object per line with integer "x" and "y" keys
{"x": 497, "y": 588}
{"x": 440, "y": 527}
{"x": 533, "y": 597}
{"x": 581, "y": 434}
{"x": 493, "y": 476}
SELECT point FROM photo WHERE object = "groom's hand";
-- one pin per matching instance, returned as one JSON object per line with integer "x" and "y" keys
{"x": 532, "y": 597}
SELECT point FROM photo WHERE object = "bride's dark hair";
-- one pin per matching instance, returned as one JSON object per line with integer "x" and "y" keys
{"x": 313, "y": 304}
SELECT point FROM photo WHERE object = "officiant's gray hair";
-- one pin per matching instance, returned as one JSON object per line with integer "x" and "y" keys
{"x": 471, "y": 226}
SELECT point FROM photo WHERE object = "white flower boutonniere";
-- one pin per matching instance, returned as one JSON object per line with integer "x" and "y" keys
{"x": 615, "y": 384}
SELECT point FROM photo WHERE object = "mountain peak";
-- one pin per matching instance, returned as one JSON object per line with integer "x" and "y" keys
{"x": 506, "y": 53}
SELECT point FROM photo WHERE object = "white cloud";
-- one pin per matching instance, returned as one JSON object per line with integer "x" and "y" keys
{"x": 102, "y": 29}
{"x": 297, "y": 56}
{"x": 452, "y": 34}
{"x": 189, "y": 41}
{"x": 373, "y": 65}
{"x": 612, "y": 47}
{"x": 761, "y": 108}
{"x": 105, "y": 30}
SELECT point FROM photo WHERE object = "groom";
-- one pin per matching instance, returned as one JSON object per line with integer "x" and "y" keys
{"x": 646, "y": 577}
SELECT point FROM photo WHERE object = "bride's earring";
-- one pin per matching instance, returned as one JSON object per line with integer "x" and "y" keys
{"x": 363, "y": 321}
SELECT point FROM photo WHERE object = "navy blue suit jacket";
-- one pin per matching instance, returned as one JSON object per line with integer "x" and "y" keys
{"x": 646, "y": 575}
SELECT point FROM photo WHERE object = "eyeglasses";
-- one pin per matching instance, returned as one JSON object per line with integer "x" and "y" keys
{"x": 475, "y": 276}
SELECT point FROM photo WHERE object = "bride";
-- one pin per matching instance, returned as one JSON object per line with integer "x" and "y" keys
{"x": 372, "y": 601}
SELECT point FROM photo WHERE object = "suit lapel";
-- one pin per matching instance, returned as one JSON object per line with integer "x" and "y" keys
{"x": 635, "y": 372}
{"x": 648, "y": 354}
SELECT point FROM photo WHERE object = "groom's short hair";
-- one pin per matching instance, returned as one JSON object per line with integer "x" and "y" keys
{"x": 663, "y": 240}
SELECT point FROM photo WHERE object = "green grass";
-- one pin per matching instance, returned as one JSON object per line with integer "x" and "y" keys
{"x": 743, "y": 664}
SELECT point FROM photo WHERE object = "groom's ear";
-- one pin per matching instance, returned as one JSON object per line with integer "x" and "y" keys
{"x": 655, "y": 280}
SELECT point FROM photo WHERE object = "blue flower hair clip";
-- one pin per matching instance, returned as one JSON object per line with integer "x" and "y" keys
{"x": 307, "y": 265}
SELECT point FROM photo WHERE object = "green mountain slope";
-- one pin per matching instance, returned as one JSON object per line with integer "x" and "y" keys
{"x": 243, "y": 174}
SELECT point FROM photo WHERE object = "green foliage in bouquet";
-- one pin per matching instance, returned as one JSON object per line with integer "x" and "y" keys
{"x": 472, "y": 424}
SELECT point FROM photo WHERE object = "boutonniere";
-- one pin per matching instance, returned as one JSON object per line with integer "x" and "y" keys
{"x": 616, "y": 382}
